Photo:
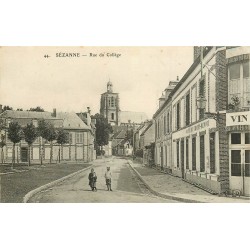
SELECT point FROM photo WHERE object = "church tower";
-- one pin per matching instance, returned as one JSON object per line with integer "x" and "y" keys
{"x": 110, "y": 106}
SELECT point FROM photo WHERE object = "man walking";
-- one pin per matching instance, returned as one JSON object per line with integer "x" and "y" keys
{"x": 108, "y": 178}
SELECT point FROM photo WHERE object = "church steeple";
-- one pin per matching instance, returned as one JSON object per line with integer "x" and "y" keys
{"x": 110, "y": 107}
{"x": 109, "y": 87}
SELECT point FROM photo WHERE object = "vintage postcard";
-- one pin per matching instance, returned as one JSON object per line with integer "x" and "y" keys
{"x": 125, "y": 124}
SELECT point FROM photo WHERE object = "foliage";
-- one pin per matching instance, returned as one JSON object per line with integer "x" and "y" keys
{"x": 2, "y": 141}
{"x": 15, "y": 136}
{"x": 139, "y": 153}
{"x": 2, "y": 124}
{"x": 103, "y": 130}
{"x": 42, "y": 128}
{"x": 7, "y": 108}
{"x": 37, "y": 109}
{"x": 130, "y": 136}
{"x": 62, "y": 136}
{"x": 30, "y": 133}
{"x": 14, "y": 132}
{"x": 235, "y": 102}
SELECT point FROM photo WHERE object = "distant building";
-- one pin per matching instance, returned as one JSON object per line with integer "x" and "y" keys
{"x": 80, "y": 137}
{"x": 110, "y": 109}
{"x": 121, "y": 121}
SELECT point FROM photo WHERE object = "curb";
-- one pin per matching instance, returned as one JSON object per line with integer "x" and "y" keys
{"x": 30, "y": 194}
{"x": 166, "y": 196}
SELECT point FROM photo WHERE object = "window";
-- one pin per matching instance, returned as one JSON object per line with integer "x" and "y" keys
{"x": 187, "y": 152}
{"x": 247, "y": 138}
{"x": 168, "y": 123}
{"x": 194, "y": 153}
{"x": 79, "y": 137}
{"x": 239, "y": 83}
{"x": 236, "y": 162}
{"x": 109, "y": 102}
{"x": 202, "y": 154}
{"x": 202, "y": 95}
{"x": 187, "y": 109}
{"x": 236, "y": 138}
{"x": 246, "y": 67}
{"x": 178, "y": 154}
{"x": 70, "y": 138}
{"x": 178, "y": 116}
{"x": 247, "y": 163}
{"x": 234, "y": 71}
{"x": 112, "y": 101}
{"x": 165, "y": 124}
{"x": 112, "y": 116}
{"x": 212, "y": 153}
{"x": 182, "y": 154}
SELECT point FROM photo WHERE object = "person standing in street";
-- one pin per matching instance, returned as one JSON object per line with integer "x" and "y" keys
{"x": 108, "y": 177}
{"x": 92, "y": 180}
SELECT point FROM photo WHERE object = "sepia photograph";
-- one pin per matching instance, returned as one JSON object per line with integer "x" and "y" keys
{"x": 135, "y": 124}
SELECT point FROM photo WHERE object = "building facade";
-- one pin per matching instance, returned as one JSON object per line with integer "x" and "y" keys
{"x": 80, "y": 145}
{"x": 238, "y": 118}
{"x": 209, "y": 142}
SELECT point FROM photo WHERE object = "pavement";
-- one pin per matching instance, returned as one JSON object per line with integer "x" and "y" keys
{"x": 171, "y": 187}
{"x": 76, "y": 189}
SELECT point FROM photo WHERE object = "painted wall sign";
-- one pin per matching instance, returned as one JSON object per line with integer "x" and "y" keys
{"x": 239, "y": 58}
{"x": 238, "y": 118}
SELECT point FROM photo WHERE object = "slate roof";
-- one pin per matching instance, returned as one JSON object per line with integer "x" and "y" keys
{"x": 69, "y": 120}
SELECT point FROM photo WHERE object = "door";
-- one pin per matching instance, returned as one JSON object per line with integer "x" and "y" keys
{"x": 240, "y": 170}
{"x": 24, "y": 154}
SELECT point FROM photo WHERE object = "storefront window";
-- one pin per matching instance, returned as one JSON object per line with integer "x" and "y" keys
{"x": 247, "y": 138}
{"x": 235, "y": 162}
{"x": 194, "y": 153}
{"x": 234, "y": 71}
{"x": 212, "y": 153}
{"x": 246, "y": 67}
{"x": 178, "y": 155}
{"x": 187, "y": 152}
{"x": 247, "y": 163}
{"x": 202, "y": 154}
{"x": 235, "y": 138}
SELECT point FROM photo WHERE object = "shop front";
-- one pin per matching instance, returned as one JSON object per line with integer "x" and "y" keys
{"x": 239, "y": 151}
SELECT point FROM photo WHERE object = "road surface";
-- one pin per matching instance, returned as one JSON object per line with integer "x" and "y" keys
{"x": 126, "y": 186}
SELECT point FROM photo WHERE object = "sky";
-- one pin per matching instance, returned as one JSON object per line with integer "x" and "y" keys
{"x": 139, "y": 75}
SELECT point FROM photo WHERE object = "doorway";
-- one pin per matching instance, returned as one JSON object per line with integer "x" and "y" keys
{"x": 24, "y": 154}
{"x": 240, "y": 170}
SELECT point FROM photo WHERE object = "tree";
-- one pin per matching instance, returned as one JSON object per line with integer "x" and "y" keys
{"x": 2, "y": 144}
{"x": 2, "y": 138}
{"x": 41, "y": 131}
{"x": 62, "y": 138}
{"x": 15, "y": 136}
{"x": 7, "y": 108}
{"x": 103, "y": 130}
{"x": 30, "y": 135}
{"x": 130, "y": 136}
{"x": 37, "y": 109}
{"x": 50, "y": 136}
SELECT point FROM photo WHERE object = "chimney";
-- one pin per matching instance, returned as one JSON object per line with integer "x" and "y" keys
{"x": 161, "y": 100}
{"x": 177, "y": 79}
{"x": 1, "y": 108}
{"x": 197, "y": 52}
{"x": 89, "y": 110}
{"x": 54, "y": 113}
